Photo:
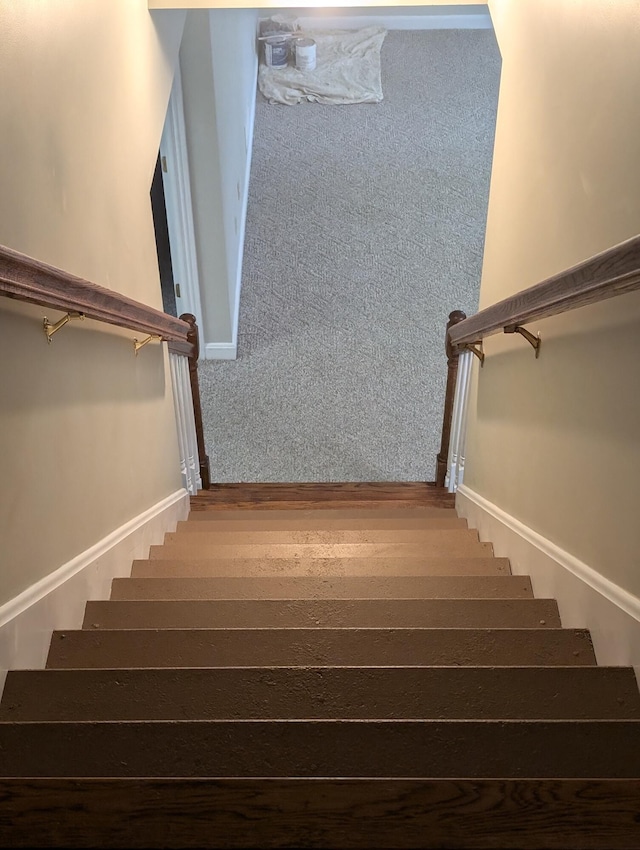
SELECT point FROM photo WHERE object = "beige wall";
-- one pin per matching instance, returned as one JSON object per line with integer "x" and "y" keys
{"x": 86, "y": 428}
{"x": 555, "y": 442}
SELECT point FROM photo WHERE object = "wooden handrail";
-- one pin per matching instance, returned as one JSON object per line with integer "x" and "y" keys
{"x": 615, "y": 271}
{"x": 26, "y": 279}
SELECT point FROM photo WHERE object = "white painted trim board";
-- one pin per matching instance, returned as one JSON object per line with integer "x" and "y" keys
{"x": 220, "y": 350}
{"x": 586, "y": 598}
{"x": 179, "y": 207}
{"x": 229, "y": 350}
{"x": 397, "y": 22}
{"x": 57, "y": 601}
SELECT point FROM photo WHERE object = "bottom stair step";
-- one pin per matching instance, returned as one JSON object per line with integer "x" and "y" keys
{"x": 335, "y": 748}
{"x": 498, "y": 693}
{"x": 353, "y": 814}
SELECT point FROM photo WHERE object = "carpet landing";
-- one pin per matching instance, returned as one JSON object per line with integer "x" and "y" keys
{"x": 365, "y": 228}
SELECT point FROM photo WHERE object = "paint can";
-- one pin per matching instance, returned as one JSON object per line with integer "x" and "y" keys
{"x": 305, "y": 54}
{"x": 276, "y": 52}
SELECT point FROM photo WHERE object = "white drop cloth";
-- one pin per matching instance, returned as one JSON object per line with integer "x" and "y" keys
{"x": 347, "y": 70}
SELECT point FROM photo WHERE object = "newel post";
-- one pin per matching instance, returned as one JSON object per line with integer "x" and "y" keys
{"x": 452, "y": 374}
{"x": 192, "y": 337}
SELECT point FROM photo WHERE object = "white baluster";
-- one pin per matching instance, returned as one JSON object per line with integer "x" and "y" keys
{"x": 458, "y": 423}
{"x": 193, "y": 459}
{"x": 463, "y": 418}
{"x": 185, "y": 423}
{"x": 174, "y": 361}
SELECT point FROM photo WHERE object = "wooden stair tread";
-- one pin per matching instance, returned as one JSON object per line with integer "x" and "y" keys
{"x": 422, "y": 565}
{"x": 319, "y": 647}
{"x": 255, "y": 531}
{"x": 499, "y": 693}
{"x": 323, "y": 613}
{"x": 281, "y": 495}
{"x": 452, "y": 543}
{"x": 334, "y": 587}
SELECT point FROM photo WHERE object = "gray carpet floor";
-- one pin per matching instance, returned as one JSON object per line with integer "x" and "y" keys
{"x": 365, "y": 228}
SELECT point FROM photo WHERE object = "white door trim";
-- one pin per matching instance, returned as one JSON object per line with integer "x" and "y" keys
{"x": 177, "y": 191}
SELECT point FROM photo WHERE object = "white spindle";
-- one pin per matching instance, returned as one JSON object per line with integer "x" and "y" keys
{"x": 185, "y": 423}
{"x": 175, "y": 382}
{"x": 455, "y": 463}
{"x": 463, "y": 417}
{"x": 455, "y": 427}
{"x": 193, "y": 460}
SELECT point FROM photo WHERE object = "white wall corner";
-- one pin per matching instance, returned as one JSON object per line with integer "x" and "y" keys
{"x": 57, "y": 601}
{"x": 586, "y": 599}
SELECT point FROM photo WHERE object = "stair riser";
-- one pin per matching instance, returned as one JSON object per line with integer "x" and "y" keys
{"x": 323, "y": 693}
{"x": 188, "y": 567}
{"x": 330, "y": 613}
{"x": 369, "y": 587}
{"x": 411, "y": 749}
{"x": 320, "y": 647}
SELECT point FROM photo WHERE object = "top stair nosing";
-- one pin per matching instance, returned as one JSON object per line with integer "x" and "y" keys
{"x": 294, "y": 495}
{"x": 328, "y": 513}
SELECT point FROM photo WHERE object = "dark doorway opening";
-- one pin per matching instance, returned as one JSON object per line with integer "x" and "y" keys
{"x": 163, "y": 248}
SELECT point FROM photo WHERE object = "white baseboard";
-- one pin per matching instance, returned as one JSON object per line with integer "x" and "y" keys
{"x": 57, "y": 601}
{"x": 397, "y": 22}
{"x": 586, "y": 599}
{"x": 221, "y": 351}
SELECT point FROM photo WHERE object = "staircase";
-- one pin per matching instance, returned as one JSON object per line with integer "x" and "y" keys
{"x": 326, "y": 666}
